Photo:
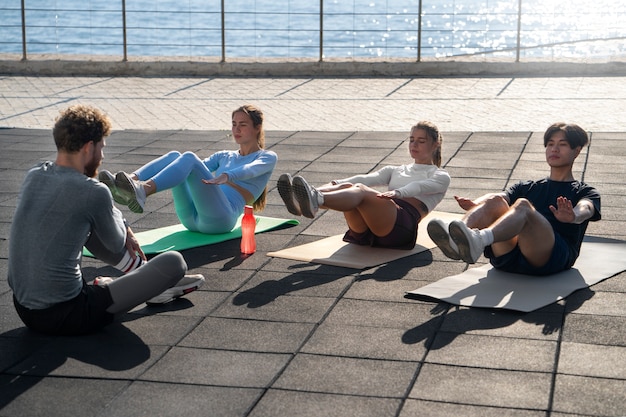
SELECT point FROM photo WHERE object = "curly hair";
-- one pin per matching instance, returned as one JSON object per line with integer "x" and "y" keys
{"x": 80, "y": 124}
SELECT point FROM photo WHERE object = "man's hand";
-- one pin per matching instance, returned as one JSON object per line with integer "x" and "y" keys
{"x": 133, "y": 245}
{"x": 564, "y": 211}
{"x": 465, "y": 203}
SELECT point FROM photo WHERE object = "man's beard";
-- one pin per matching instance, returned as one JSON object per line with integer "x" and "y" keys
{"x": 91, "y": 169}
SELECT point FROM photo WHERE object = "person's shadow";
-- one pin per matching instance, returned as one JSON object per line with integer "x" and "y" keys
{"x": 269, "y": 290}
{"x": 464, "y": 320}
{"x": 28, "y": 357}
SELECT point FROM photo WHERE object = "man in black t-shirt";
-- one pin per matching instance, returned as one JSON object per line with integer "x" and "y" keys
{"x": 534, "y": 227}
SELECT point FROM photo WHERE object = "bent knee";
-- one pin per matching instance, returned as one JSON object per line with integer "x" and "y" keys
{"x": 497, "y": 203}
{"x": 523, "y": 204}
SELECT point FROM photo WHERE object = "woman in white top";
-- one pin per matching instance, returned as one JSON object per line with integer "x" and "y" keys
{"x": 375, "y": 218}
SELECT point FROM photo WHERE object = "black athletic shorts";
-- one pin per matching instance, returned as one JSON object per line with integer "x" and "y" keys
{"x": 83, "y": 314}
{"x": 561, "y": 259}
{"x": 402, "y": 236}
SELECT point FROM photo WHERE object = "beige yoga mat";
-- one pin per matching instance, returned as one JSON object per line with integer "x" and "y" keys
{"x": 334, "y": 251}
{"x": 487, "y": 287}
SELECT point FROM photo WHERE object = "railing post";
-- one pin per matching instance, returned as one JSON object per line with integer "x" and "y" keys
{"x": 223, "y": 33}
{"x": 519, "y": 30}
{"x": 23, "y": 30}
{"x": 321, "y": 30}
{"x": 419, "y": 33}
{"x": 125, "y": 40}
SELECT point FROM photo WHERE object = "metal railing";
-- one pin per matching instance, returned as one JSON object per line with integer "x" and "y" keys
{"x": 511, "y": 30}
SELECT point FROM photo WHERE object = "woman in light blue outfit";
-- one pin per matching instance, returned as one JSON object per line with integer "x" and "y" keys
{"x": 210, "y": 194}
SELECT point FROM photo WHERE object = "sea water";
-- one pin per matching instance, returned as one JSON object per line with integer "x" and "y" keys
{"x": 550, "y": 29}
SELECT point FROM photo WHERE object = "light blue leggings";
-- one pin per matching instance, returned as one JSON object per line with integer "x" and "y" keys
{"x": 200, "y": 207}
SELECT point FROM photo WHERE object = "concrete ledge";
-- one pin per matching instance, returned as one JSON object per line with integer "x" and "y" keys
{"x": 111, "y": 66}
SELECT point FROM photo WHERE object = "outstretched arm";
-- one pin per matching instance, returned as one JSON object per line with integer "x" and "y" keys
{"x": 566, "y": 213}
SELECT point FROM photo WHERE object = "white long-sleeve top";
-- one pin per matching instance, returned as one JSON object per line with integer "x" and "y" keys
{"x": 427, "y": 183}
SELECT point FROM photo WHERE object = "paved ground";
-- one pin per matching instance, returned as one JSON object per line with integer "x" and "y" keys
{"x": 272, "y": 337}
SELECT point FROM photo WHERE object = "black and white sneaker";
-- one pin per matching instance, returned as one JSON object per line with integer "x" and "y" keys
{"x": 108, "y": 179}
{"x": 189, "y": 283}
{"x": 307, "y": 197}
{"x": 438, "y": 231}
{"x": 285, "y": 190}
{"x": 132, "y": 191}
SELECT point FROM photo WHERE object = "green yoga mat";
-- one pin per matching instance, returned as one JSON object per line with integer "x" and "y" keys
{"x": 177, "y": 237}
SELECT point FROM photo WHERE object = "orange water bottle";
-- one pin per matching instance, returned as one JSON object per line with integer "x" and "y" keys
{"x": 248, "y": 224}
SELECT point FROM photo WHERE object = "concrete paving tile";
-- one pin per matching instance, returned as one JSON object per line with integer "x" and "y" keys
{"x": 149, "y": 398}
{"x": 248, "y": 335}
{"x": 14, "y": 350}
{"x": 217, "y": 367}
{"x": 351, "y": 376}
{"x": 439, "y": 409}
{"x": 542, "y": 325}
{"x": 151, "y": 330}
{"x": 297, "y": 283}
{"x": 480, "y": 351}
{"x": 267, "y": 306}
{"x": 584, "y": 359}
{"x": 604, "y": 303}
{"x": 372, "y": 287}
{"x": 477, "y": 386}
{"x": 589, "y": 396}
{"x": 603, "y": 330}
{"x": 309, "y": 404}
{"x": 52, "y": 397}
{"x": 192, "y": 305}
{"x": 377, "y": 313}
{"x": 363, "y": 342}
{"x": 92, "y": 359}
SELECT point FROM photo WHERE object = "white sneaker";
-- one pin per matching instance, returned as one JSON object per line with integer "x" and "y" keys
{"x": 438, "y": 232}
{"x": 468, "y": 241}
{"x": 132, "y": 191}
{"x": 189, "y": 283}
{"x": 306, "y": 196}
{"x": 102, "y": 281}
{"x": 285, "y": 190}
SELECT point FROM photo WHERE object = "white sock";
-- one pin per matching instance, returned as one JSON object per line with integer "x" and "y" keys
{"x": 128, "y": 264}
{"x": 486, "y": 235}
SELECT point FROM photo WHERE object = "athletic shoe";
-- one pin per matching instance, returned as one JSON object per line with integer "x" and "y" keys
{"x": 106, "y": 178}
{"x": 285, "y": 190}
{"x": 132, "y": 190}
{"x": 468, "y": 241}
{"x": 188, "y": 284}
{"x": 438, "y": 232}
{"x": 306, "y": 196}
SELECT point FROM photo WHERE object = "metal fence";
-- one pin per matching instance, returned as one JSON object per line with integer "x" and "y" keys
{"x": 509, "y": 30}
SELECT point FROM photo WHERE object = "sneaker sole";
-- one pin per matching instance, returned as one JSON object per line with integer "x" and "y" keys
{"x": 462, "y": 242}
{"x": 124, "y": 184}
{"x": 441, "y": 238}
{"x": 303, "y": 197}
{"x": 285, "y": 191}
{"x": 108, "y": 179}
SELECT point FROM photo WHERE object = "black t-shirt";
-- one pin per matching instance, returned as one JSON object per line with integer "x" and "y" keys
{"x": 543, "y": 193}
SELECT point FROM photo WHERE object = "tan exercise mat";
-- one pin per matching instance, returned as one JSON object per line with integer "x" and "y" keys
{"x": 485, "y": 286}
{"x": 334, "y": 251}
